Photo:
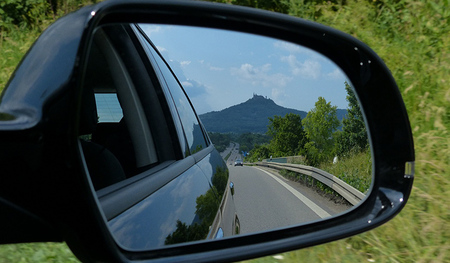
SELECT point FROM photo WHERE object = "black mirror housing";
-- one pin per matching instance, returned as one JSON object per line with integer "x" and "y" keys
{"x": 44, "y": 184}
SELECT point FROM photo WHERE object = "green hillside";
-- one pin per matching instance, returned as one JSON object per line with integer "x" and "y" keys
{"x": 251, "y": 116}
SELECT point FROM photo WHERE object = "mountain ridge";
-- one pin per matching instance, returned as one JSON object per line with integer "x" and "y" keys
{"x": 249, "y": 116}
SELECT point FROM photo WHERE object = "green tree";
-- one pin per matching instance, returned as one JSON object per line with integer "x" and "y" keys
{"x": 271, "y": 5}
{"x": 320, "y": 124}
{"x": 207, "y": 207}
{"x": 22, "y": 13}
{"x": 259, "y": 153}
{"x": 220, "y": 180}
{"x": 354, "y": 135}
{"x": 220, "y": 140}
{"x": 247, "y": 141}
{"x": 288, "y": 137}
{"x": 185, "y": 233}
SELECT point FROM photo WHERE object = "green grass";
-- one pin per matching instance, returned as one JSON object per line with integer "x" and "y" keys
{"x": 228, "y": 156}
{"x": 355, "y": 170}
{"x": 414, "y": 42}
{"x": 310, "y": 182}
{"x": 36, "y": 252}
{"x": 12, "y": 48}
{"x": 413, "y": 38}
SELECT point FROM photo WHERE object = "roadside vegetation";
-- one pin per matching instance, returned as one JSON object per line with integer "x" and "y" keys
{"x": 246, "y": 141}
{"x": 413, "y": 39}
{"x": 321, "y": 139}
{"x": 228, "y": 156}
{"x": 21, "y": 22}
{"x": 411, "y": 36}
{"x": 355, "y": 170}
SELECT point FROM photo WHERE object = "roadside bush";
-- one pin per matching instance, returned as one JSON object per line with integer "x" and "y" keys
{"x": 22, "y": 13}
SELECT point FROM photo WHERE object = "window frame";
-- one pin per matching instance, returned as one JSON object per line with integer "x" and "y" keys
{"x": 151, "y": 52}
{"x": 123, "y": 195}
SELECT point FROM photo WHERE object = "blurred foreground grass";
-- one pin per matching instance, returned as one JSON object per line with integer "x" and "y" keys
{"x": 36, "y": 252}
{"x": 413, "y": 38}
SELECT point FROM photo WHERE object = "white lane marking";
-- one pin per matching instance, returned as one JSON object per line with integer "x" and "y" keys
{"x": 315, "y": 208}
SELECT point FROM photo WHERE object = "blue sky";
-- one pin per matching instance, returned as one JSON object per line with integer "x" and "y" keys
{"x": 219, "y": 69}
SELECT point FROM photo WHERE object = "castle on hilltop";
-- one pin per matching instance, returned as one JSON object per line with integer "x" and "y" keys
{"x": 256, "y": 96}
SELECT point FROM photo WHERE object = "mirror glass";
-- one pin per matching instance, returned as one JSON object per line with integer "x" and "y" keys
{"x": 283, "y": 117}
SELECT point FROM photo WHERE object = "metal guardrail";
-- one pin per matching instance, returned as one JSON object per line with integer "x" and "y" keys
{"x": 276, "y": 160}
{"x": 347, "y": 191}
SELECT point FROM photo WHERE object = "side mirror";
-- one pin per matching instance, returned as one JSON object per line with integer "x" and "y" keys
{"x": 106, "y": 50}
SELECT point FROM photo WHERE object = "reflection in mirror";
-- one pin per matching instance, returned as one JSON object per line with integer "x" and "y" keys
{"x": 292, "y": 139}
{"x": 270, "y": 101}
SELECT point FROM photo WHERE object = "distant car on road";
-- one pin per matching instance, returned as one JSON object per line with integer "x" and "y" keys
{"x": 238, "y": 162}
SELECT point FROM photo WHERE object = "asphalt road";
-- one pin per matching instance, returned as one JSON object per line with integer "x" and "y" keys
{"x": 265, "y": 200}
{"x": 233, "y": 148}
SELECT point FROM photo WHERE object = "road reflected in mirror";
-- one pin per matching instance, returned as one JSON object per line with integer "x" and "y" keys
{"x": 290, "y": 146}
{"x": 284, "y": 118}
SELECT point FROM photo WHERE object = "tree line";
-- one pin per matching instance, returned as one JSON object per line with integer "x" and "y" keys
{"x": 27, "y": 14}
{"x": 246, "y": 141}
{"x": 316, "y": 137}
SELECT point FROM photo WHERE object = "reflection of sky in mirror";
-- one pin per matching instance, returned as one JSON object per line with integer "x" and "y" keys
{"x": 219, "y": 69}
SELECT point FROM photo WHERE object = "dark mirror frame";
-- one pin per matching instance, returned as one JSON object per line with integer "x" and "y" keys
{"x": 71, "y": 211}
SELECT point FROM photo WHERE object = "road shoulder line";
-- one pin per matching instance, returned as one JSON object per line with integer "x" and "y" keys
{"x": 315, "y": 208}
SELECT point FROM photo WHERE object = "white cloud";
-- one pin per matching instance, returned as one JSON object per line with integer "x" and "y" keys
{"x": 336, "y": 74}
{"x": 161, "y": 49}
{"x": 151, "y": 29}
{"x": 287, "y": 46}
{"x": 187, "y": 84}
{"x": 308, "y": 69}
{"x": 296, "y": 49}
{"x": 260, "y": 76}
{"x": 278, "y": 94}
{"x": 215, "y": 68}
{"x": 185, "y": 63}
